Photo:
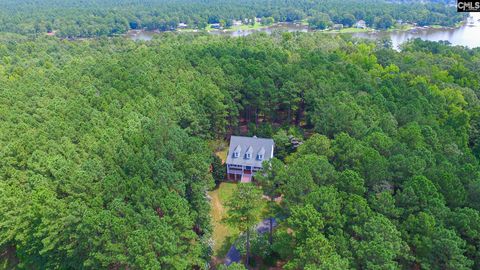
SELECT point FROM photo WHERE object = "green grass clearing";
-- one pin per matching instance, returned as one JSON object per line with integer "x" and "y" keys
{"x": 223, "y": 235}
{"x": 354, "y": 30}
{"x": 304, "y": 22}
{"x": 256, "y": 26}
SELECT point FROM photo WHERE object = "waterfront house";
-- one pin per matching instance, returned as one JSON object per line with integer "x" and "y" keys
{"x": 246, "y": 155}
{"x": 337, "y": 26}
{"x": 361, "y": 24}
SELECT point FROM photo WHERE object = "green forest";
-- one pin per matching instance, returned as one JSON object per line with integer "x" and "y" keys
{"x": 105, "y": 163}
{"x": 88, "y": 18}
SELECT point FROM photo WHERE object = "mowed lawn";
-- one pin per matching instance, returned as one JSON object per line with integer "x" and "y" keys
{"x": 223, "y": 235}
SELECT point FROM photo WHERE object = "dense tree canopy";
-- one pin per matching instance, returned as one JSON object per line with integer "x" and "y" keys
{"x": 104, "y": 161}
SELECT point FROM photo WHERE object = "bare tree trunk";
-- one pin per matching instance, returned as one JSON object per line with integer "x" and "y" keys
{"x": 247, "y": 260}
{"x": 299, "y": 112}
{"x": 270, "y": 238}
{"x": 289, "y": 120}
{"x": 298, "y": 115}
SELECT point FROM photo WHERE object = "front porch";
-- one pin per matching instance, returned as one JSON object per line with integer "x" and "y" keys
{"x": 244, "y": 174}
{"x": 243, "y": 178}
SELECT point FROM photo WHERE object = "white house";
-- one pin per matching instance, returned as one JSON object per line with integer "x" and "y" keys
{"x": 246, "y": 155}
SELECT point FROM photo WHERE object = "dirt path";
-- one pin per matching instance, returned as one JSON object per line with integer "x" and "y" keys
{"x": 217, "y": 204}
{"x": 217, "y": 213}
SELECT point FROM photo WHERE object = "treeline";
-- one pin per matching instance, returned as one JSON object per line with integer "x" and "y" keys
{"x": 104, "y": 163}
{"x": 110, "y": 17}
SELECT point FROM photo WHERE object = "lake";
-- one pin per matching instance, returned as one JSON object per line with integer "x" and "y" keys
{"x": 289, "y": 27}
{"x": 466, "y": 35}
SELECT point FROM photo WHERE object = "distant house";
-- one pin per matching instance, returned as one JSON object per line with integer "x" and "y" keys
{"x": 360, "y": 24}
{"x": 182, "y": 25}
{"x": 337, "y": 26}
{"x": 246, "y": 155}
{"x": 215, "y": 25}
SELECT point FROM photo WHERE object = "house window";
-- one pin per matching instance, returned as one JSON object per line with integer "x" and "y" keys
{"x": 235, "y": 166}
{"x": 236, "y": 151}
{"x": 259, "y": 157}
{"x": 248, "y": 155}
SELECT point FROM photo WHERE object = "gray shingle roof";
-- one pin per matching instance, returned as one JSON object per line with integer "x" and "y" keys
{"x": 250, "y": 144}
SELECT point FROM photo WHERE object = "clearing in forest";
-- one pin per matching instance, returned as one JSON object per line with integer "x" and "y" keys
{"x": 223, "y": 235}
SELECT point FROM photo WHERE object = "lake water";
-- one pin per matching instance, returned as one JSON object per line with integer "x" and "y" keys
{"x": 140, "y": 35}
{"x": 287, "y": 27}
{"x": 465, "y": 35}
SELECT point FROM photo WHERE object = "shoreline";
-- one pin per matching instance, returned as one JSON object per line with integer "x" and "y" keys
{"x": 290, "y": 26}
{"x": 300, "y": 26}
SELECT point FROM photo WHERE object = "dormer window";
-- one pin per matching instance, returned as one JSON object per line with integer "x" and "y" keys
{"x": 261, "y": 154}
{"x": 248, "y": 153}
{"x": 236, "y": 152}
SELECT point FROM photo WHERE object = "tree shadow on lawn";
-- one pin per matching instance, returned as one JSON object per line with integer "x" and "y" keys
{"x": 223, "y": 250}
